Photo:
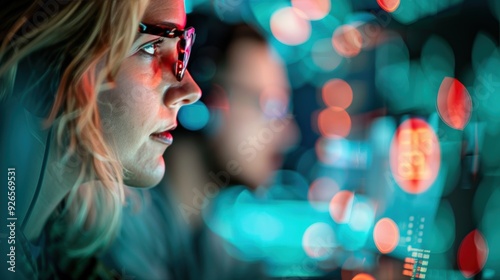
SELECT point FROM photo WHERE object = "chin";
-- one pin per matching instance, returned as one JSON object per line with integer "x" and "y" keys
{"x": 143, "y": 183}
{"x": 145, "y": 178}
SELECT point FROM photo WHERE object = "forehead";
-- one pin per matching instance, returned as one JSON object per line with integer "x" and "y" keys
{"x": 253, "y": 64}
{"x": 168, "y": 12}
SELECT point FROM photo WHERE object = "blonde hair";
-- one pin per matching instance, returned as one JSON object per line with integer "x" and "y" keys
{"x": 90, "y": 39}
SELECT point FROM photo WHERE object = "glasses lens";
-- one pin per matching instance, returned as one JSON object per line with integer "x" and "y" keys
{"x": 184, "y": 49}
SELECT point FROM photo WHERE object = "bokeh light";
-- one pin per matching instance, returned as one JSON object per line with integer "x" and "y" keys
{"x": 287, "y": 184}
{"x": 347, "y": 40}
{"x": 411, "y": 11}
{"x": 318, "y": 241}
{"x": 341, "y": 206}
{"x": 355, "y": 265}
{"x": 489, "y": 219}
{"x": 321, "y": 192}
{"x": 495, "y": 8}
{"x": 313, "y": 9}
{"x": 415, "y": 156}
{"x": 386, "y": 235}
{"x": 437, "y": 60}
{"x": 337, "y": 93}
{"x": 442, "y": 229}
{"x": 392, "y": 71}
{"x": 334, "y": 122}
{"x": 388, "y": 5}
{"x": 290, "y": 27}
{"x": 229, "y": 11}
{"x": 487, "y": 89}
{"x": 363, "y": 276}
{"x": 483, "y": 48}
{"x": 361, "y": 218}
{"x": 454, "y": 103}
{"x": 194, "y": 116}
{"x": 259, "y": 224}
{"x": 472, "y": 254}
{"x": 333, "y": 150}
{"x": 324, "y": 56}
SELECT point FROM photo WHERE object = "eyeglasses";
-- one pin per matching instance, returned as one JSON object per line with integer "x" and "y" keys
{"x": 186, "y": 41}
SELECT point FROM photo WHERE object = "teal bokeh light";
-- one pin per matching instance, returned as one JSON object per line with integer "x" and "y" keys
{"x": 442, "y": 230}
{"x": 194, "y": 116}
{"x": 392, "y": 72}
{"x": 437, "y": 60}
{"x": 483, "y": 48}
{"x": 410, "y": 11}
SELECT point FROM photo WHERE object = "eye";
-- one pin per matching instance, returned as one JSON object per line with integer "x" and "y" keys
{"x": 152, "y": 47}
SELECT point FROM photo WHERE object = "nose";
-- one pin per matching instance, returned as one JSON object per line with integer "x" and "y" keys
{"x": 184, "y": 93}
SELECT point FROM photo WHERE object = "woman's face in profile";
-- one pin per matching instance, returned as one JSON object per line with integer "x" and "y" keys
{"x": 139, "y": 111}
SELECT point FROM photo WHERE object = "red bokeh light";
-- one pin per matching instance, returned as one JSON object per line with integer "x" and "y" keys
{"x": 454, "y": 103}
{"x": 472, "y": 254}
{"x": 389, "y": 5}
{"x": 341, "y": 206}
{"x": 415, "y": 156}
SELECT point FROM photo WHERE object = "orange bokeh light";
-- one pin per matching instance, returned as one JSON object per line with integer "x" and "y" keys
{"x": 415, "y": 156}
{"x": 337, "y": 93}
{"x": 313, "y": 9}
{"x": 363, "y": 276}
{"x": 334, "y": 122}
{"x": 341, "y": 206}
{"x": 347, "y": 40}
{"x": 389, "y": 5}
{"x": 386, "y": 235}
{"x": 454, "y": 103}
{"x": 290, "y": 26}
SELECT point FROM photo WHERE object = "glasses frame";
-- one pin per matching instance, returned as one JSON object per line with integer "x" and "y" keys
{"x": 183, "y": 49}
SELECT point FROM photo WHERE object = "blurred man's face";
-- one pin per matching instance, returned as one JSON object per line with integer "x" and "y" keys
{"x": 257, "y": 128}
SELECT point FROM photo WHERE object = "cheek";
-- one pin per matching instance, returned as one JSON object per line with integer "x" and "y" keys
{"x": 128, "y": 111}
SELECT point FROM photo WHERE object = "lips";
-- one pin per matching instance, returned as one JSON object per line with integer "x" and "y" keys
{"x": 163, "y": 137}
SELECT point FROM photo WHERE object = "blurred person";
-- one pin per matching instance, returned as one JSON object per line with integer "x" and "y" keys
{"x": 250, "y": 126}
{"x": 90, "y": 91}
{"x": 244, "y": 142}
